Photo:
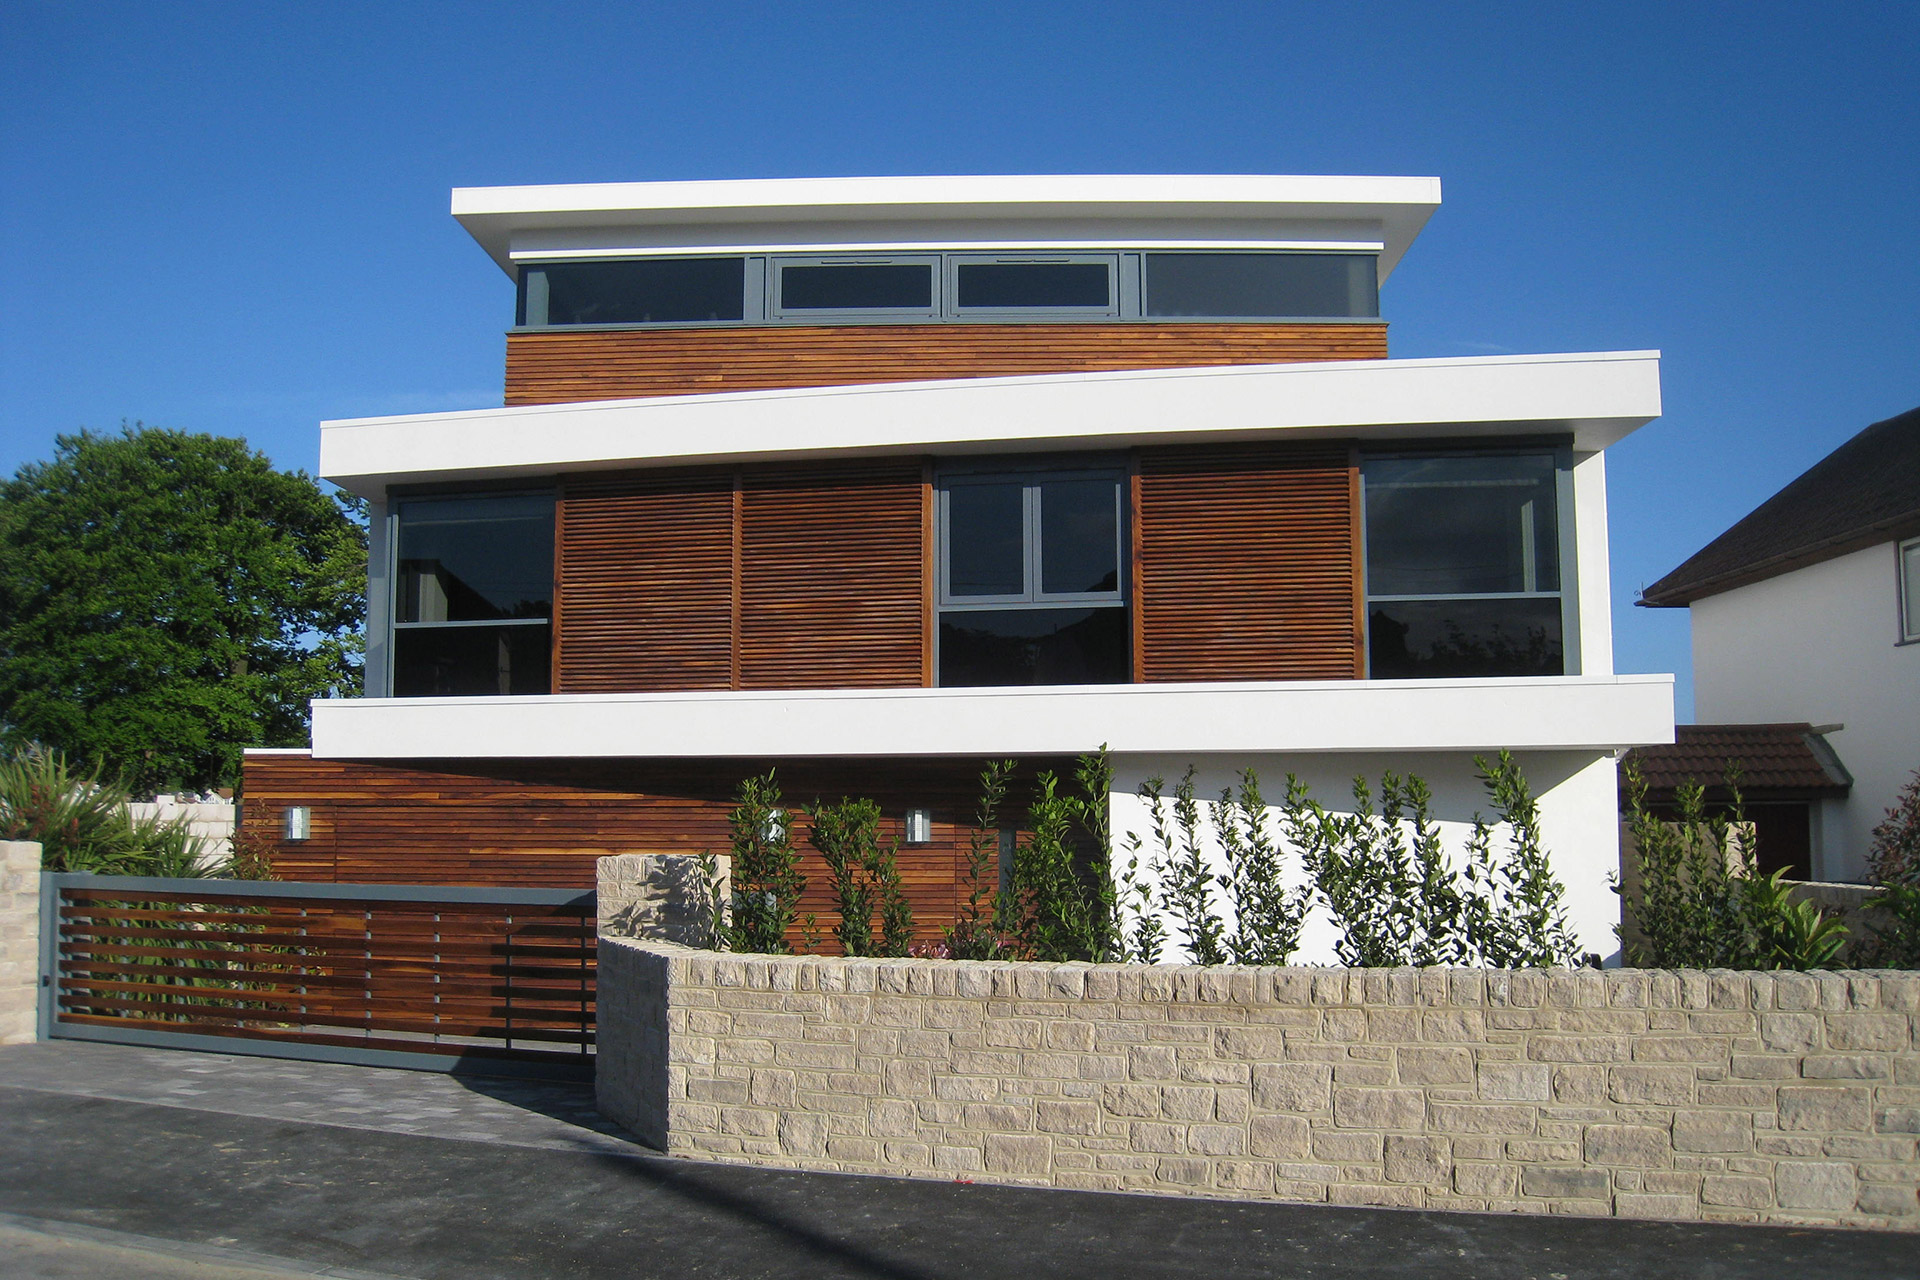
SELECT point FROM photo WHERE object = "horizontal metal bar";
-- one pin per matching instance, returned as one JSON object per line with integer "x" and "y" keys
{"x": 565, "y": 1066}
{"x": 470, "y": 894}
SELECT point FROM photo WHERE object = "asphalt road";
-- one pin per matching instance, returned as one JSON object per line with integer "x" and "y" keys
{"x": 298, "y": 1197}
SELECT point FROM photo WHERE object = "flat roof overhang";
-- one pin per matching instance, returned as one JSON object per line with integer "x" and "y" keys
{"x": 1596, "y": 398}
{"x": 1570, "y": 713}
{"x": 772, "y": 213}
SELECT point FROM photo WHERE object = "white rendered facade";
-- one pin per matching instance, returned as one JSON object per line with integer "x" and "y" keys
{"x": 1759, "y": 658}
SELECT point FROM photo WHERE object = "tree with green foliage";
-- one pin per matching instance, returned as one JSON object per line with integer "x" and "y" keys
{"x": 866, "y": 878}
{"x": 167, "y": 599}
{"x": 766, "y": 878}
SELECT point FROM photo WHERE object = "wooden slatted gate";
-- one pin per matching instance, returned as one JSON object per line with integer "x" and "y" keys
{"x": 488, "y": 981}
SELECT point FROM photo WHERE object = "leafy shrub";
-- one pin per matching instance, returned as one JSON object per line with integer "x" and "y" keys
{"x": 1382, "y": 873}
{"x": 1700, "y": 905}
{"x": 765, "y": 876}
{"x": 1893, "y": 857}
{"x": 1062, "y": 903}
{"x": 974, "y": 935}
{"x": 866, "y": 878}
{"x": 82, "y": 823}
{"x": 1896, "y": 944}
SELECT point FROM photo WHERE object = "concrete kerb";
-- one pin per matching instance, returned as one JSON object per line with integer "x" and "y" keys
{"x": 1704, "y": 1096}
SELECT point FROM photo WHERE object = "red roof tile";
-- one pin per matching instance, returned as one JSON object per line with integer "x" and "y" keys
{"x": 1773, "y": 760}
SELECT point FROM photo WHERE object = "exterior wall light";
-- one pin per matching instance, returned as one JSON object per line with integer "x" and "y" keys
{"x": 297, "y": 822}
{"x": 919, "y": 826}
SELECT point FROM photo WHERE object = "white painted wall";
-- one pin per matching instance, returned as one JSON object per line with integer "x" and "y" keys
{"x": 1579, "y": 816}
{"x": 1820, "y": 645}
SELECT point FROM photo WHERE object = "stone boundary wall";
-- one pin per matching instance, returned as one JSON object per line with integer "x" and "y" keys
{"x": 1782, "y": 1098}
{"x": 19, "y": 942}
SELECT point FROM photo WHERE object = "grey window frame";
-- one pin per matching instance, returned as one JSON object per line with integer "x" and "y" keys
{"x": 777, "y": 265}
{"x": 760, "y": 303}
{"x": 1032, "y": 597}
{"x": 954, "y": 261}
{"x": 1905, "y": 550}
{"x": 391, "y": 557}
{"x": 1565, "y": 527}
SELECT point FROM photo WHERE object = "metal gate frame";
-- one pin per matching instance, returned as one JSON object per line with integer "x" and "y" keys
{"x": 555, "y": 1065}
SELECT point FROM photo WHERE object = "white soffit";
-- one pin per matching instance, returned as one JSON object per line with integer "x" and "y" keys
{"x": 842, "y": 212}
{"x": 1599, "y": 713}
{"x": 1597, "y": 398}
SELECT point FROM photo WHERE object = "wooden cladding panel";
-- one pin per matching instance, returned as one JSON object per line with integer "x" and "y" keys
{"x": 541, "y": 824}
{"x": 645, "y": 576}
{"x": 832, "y": 577}
{"x": 1247, "y": 564}
{"x": 555, "y": 367}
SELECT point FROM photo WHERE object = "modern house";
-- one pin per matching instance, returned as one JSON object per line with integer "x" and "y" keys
{"x": 874, "y": 480}
{"x": 1806, "y": 616}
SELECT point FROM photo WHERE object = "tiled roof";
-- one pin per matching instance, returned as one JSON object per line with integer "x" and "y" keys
{"x": 1865, "y": 492}
{"x": 1774, "y": 760}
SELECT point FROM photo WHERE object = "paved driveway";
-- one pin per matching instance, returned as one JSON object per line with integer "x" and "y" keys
{"x": 427, "y": 1177}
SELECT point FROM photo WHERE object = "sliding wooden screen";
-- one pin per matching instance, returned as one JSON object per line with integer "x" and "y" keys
{"x": 832, "y": 574}
{"x": 645, "y": 576}
{"x": 1246, "y": 564}
{"x": 556, "y": 367}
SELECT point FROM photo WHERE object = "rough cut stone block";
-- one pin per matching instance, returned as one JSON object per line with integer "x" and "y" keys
{"x": 1181, "y": 1172}
{"x": 1489, "y": 1180}
{"x": 1630, "y": 1146}
{"x": 1661, "y": 1086}
{"x": 1434, "y": 1066}
{"x": 1379, "y": 1108}
{"x": 1341, "y": 1147}
{"x": 1712, "y": 1131}
{"x": 1564, "y": 1184}
{"x": 1736, "y": 1192}
{"x": 1666, "y": 1208}
{"x": 1881, "y": 1032}
{"x": 1815, "y": 1185}
{"x": 1185, "y": 1102}
{"x": 1417, "y": 1159}
{"x": 1018, "y": 1153}
{"x": 1293, "y": 1086}
{"x": 1889, "y": 1201}
{"x": 1823, "y": 1109}
{"x": 1066, "y": 1117}
{"x": 1280, "y": 1137}
{"x": 1217, "y": 1140}
{"x": 1844, "y": 1066}
{"x": 1487, "y": 1117}
{"x": 1515, "y": 1082}
{"x": 1363, "y": 1193}
{"x": 1140, "y": 1101}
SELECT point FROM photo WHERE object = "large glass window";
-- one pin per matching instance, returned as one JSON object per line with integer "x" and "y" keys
{"x": 1226, "y": 285}
{"x": 949, "y": 286}
{"x": 1463, "y": 565}
{"x": 886, "y": 287}
{"x": 1030, "y": 579}
{"x": 648, "y": 291}
{"x": 473, "y": 595}
{"x": 1016, "y": 284}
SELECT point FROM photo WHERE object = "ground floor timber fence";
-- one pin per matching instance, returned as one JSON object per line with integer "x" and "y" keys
{"x": 1755, "y": 1097}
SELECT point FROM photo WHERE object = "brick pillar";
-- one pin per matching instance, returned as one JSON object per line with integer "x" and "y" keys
{"x": 19, "y": 941}
{"x": 665, "y": 897}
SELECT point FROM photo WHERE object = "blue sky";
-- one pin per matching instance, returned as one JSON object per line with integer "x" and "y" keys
{"x": 232, "y": 217}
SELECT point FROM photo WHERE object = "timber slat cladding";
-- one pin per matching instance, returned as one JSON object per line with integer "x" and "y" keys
{"x": 558, "y": 367}
{"x": 644, "y": 565}
{"x": 832, "y": 577}
{"x": 542, "y": 824}
{"x": 1247, "y": 564}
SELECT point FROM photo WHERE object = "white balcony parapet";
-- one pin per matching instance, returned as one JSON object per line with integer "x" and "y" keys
{"x": 1574, "y": 713}
{"x": 1596, "y": 398}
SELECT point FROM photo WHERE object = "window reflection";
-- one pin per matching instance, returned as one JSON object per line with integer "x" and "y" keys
{"x": 473, "y": 595}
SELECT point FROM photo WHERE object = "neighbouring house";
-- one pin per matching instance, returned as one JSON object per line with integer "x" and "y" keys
{"x": 1806, "y": 620}
{"x": 872, "y": 481}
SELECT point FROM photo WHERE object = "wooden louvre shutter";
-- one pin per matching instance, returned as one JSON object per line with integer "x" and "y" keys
{"x": 1248, "y": 563}
{"x": 832, "y": 574}
{"x": 645, "y": 582}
